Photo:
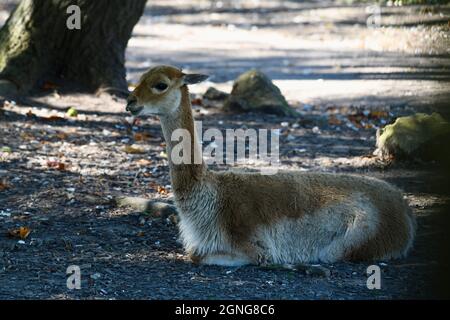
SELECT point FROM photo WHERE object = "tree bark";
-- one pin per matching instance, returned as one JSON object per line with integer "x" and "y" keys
{"x": 36, "y": 44}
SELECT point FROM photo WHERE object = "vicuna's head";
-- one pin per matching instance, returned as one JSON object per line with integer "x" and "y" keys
{"x": 159, "y": 90}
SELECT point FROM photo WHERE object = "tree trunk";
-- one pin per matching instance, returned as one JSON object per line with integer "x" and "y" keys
{"x": 36, "y": 44}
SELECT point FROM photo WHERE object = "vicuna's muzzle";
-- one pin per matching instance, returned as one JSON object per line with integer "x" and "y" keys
{"x": 132, "y": 105}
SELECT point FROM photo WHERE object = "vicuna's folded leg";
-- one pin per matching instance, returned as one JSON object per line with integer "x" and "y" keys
{"x": 225, "y": 259}
{"x": 150, "y": 207}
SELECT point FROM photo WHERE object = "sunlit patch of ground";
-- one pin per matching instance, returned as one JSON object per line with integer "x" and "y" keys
{"x": 319, "y": 52}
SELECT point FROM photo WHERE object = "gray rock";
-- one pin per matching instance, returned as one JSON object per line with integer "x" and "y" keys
{"x": 215, "y": 95}
{"x": 253, "y": 91}
{"x": 214, "y": 98}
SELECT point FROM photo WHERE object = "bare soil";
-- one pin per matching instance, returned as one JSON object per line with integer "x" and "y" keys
{"x": 59, "y": 174}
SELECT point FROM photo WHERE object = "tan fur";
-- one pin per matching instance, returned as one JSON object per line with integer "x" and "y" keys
{"x": 228, "y": 218}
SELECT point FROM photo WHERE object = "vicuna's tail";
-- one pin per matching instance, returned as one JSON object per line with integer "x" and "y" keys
{"x": 153, "y": 208}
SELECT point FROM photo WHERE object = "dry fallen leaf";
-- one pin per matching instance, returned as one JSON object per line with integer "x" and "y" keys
{"x": 174, "y": 218}
{"x": 379, "y": 114}
{"x": 334, "y": 121}
{"x": 136, "y": 122}
{"x": 26, "y": 136}
{"x": 56, "y": 165}
{"x": 4, "y": 185}
{"x": 162, "y": 190}
{"x": 133, "y": 150}
{"x": 140, "y": 234}
{"x": 141, "y": 136}
{"x": 62, "y": 135}
{"x": 53, "y": 118}
{"x": 143, "y": 162}
{"x": 21, "y": 233}
{"x": 49, "y": 86}
{"x": 197, "y": 101}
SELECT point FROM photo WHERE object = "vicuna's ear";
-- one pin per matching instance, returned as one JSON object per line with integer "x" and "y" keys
{"x": 194, "y": 78}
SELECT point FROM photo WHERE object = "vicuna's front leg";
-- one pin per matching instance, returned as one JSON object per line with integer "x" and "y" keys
{"x": 229, "y": 260}
{"x": 150, "y": 207}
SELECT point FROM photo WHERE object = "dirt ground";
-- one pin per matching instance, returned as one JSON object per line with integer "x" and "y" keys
{"x": 59, "y": 174}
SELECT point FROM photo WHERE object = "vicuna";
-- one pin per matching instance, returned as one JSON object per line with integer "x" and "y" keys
{"x": 232, "y": 219}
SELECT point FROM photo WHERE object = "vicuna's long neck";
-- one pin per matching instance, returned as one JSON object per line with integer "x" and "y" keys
{"x": 186, "y": 174}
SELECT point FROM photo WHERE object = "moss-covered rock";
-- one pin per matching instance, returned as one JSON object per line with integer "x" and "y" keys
{"x": 253, "y": 91}
{"x": 419, "y": 136}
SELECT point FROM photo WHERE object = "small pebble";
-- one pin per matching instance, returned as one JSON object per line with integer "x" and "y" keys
{"x": 316, "y": 130}
{"x": 96, "y": 276}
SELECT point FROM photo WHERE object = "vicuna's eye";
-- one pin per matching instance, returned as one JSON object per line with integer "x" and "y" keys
{"x": 160, "y": 86}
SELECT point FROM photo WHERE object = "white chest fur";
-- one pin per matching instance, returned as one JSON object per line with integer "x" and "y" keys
{"x": 199, "y": 224}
